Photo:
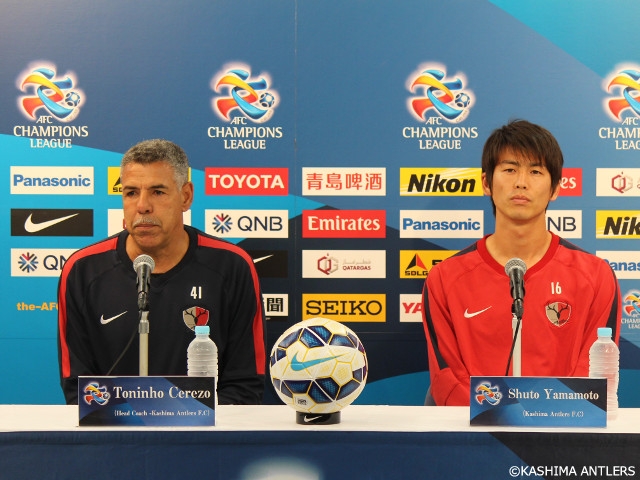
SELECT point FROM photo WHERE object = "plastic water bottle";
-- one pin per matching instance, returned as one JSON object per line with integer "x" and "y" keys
{"x": 604, "y": 361}
{"x": 202, "y": 355}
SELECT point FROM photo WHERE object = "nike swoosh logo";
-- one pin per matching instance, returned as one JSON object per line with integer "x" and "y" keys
{"x": 256, "y": 260}
{"x": 311, "y": 419}
{"x": 297, "y": 365}
{"x": 31, "y": 227}
{"x": 104, "y": 321}
{"x": 473, "y": 314}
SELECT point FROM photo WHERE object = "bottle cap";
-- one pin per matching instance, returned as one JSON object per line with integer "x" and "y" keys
{"x": 204, "y": 330}
{"x": 602, "y": 331}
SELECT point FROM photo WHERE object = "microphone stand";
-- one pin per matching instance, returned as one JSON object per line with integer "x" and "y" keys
{"x": 515, "y": 356}
{"x": 517, "y": 348}
{"x": 143, "y": 330}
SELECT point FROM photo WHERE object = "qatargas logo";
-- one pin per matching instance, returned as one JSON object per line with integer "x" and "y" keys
{"x": 49, "y": 99}
{"x": 243, "y": 100}
{"x": 343, "y": 264}
{"x": 622, "y": 105}
{"x": 439, "y": 100}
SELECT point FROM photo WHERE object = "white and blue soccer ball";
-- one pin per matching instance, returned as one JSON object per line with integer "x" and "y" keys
{"x": 318, "y": 366}
{"x": 72, "y": 99}
{"x": 267, "y": 100}
{"x": 462, "y": 100}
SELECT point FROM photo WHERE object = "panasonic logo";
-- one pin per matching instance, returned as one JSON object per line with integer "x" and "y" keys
{"x": 441, "y": 223}
{"x": 52, "y": 180}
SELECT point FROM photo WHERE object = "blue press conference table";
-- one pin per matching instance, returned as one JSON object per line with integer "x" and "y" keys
{"x": 264, "y": 442}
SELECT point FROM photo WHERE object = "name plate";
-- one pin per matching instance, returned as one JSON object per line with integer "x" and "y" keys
{"x": 539, "y": 401}
{"x": 146, "y": 401}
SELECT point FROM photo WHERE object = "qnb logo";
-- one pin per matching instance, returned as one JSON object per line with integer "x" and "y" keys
{"x": 624, "y": 87}
{"x": 28, "y": 262}
{"x": 222, "y": 223}
{"x": 247, "y": 223}
{"x": 252, "y": 99}
{"x": 95, "y": 393}
{"x": 38, "y": 262}
{"x": 485, "y": 392}
{"x": 436, "y": 94}
{"x": 56, "y": 97}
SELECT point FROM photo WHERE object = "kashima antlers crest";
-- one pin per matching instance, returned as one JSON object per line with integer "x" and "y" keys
{"x": 195, "y": 316}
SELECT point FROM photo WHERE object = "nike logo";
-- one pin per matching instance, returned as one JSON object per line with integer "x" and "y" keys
{"x": 297, "y": 365}
{"x": 257, "y": 260}
{"x": 104, "y": 321}
{"x": 311, "y": 419}
{"x": 32, "y": 227}
{"x": 473, "y": 314}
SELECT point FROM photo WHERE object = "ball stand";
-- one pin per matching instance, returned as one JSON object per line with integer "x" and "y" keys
{"x": 303, "y": 418}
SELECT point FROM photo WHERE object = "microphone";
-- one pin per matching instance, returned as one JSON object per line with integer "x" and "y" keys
{"x": 516, "y": 268}
{"x": 143, "y": 265}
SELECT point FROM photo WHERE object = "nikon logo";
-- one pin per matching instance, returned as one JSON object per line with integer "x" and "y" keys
{"x": 618, "y": 224}
{"x": 345, "y": 307}
{"x": 441, "y": 181}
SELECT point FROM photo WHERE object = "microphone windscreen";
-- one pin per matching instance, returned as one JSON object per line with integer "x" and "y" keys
{"x": 515, "y": 263}
{"x": 144, "y": 260}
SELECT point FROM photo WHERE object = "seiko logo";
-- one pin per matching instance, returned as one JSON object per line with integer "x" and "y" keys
{"x": 345, "y": 307}
{"x": 247, "y": 181}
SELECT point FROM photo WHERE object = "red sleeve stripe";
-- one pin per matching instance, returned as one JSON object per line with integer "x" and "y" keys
{"x": 101, "y": 247}
{"x": 258, "y": 333}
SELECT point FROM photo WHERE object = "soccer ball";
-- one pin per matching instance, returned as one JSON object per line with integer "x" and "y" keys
{"x": 72, "y": 99}
{"x": 318, "y": 366}
{"x": 462, "y": 100}
{"x": 267, "y": 100}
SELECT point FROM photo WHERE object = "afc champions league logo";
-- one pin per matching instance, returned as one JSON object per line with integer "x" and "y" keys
{"x": 434, "y": 93}
{"x": 624, "y": 90}
{"x": 241, "y": 95}
{"x": 485, "y": 392}
{"x": 93, "y": 392}
{"x": 48, "y": 94}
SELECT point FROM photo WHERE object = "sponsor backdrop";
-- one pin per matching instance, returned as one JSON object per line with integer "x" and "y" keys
{"x": 338, "y": 142}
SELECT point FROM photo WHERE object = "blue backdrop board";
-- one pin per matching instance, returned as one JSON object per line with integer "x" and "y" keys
{"x": 323, "y": 114}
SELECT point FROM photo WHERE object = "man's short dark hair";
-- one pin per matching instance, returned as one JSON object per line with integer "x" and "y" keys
{"x": 159, "y": 150}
